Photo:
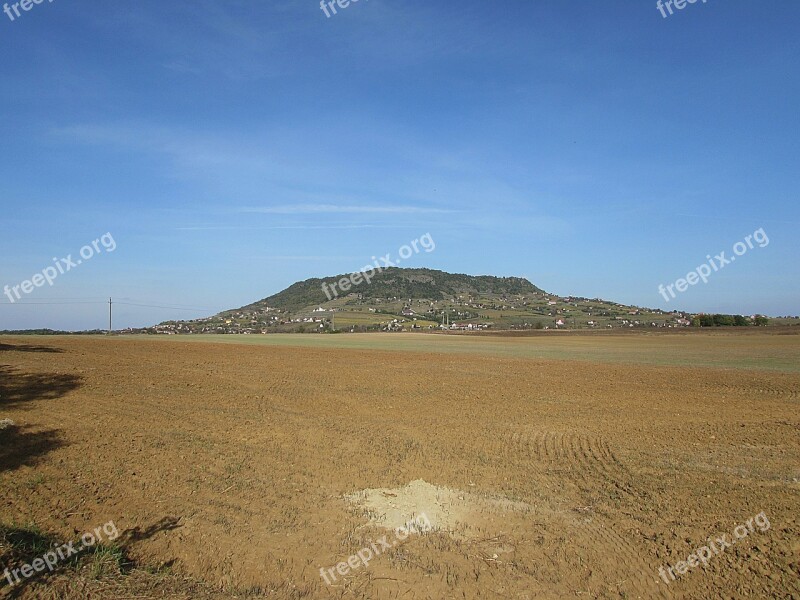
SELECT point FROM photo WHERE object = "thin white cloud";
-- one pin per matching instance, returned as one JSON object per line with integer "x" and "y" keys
{"x": 181, "y": 67}
{"x": 295, "y": 209}
{"x": 249, "y": 227}
{"x": 315, "y": 258}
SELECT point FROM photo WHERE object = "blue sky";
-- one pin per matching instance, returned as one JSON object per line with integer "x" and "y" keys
{"x": 233, "y": 148}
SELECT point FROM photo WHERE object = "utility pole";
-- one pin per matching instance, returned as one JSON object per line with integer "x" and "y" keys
{"x": 109, "y": 316}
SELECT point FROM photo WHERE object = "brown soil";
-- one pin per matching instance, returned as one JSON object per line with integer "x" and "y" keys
{"x": 246, "y": 469}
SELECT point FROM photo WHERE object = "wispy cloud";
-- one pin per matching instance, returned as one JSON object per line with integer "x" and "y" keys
{"x": 295, "y": 209}
{"x": 181, "y": 67}
{"x": 314, "y": 258}
{"x": 250, "y": 227}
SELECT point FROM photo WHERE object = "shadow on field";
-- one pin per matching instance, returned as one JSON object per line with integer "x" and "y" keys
{"x": 21, "y": 546}
{"x": 24, "y": 445}
{"x": 16, "y": 387}
{"x": 29, "y": 348}
{"x": 137, "y": 534}
{"x": 20, "y": 446}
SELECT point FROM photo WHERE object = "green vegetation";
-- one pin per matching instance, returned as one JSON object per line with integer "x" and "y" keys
{"x": 719, "y": 320}
{"x": 107, "y": 561}
{"x": 399, "y": 283}
{"x": 23, "y": 544}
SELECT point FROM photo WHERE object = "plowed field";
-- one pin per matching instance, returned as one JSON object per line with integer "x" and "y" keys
{"x": 235, "y": 469}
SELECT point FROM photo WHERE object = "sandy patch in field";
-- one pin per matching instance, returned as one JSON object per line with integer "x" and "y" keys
{"x": 453, "y": 511}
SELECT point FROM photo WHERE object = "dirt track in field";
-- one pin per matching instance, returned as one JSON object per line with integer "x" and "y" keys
{"x": 233, "y": 464}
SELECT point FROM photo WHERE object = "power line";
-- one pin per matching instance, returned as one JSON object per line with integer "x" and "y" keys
{"x": 62, "y": 303}
{"x": 167, "y": 307}
{"x": 46, "y": 303}
{"x": 155, "y": 302}
{"x": 98, "y": 298}
{"x": 110, "y": 302}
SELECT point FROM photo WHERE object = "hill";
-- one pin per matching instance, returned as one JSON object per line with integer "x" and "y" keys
{"x": 395, "y": 282}
{"x": 403, "y": 299}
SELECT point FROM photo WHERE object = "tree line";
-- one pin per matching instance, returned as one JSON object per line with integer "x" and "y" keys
{"x": 728, "y": 321}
